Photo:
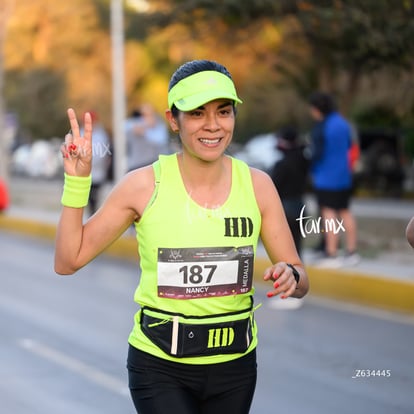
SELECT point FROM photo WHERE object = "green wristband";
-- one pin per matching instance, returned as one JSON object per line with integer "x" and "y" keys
{"x": 76, "y": 191}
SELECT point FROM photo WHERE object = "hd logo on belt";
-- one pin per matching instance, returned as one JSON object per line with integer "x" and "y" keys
{"x": 220, "y": 337}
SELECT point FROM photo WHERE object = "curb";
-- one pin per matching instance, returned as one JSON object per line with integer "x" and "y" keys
{"x": 354, "y": 287}
{"x": 124, "y": 247}
{"x": 29, "y": 227}
{"x": 339, "y": 284}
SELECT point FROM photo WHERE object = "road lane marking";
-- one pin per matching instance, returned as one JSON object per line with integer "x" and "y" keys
{"x": 94, "y": 375}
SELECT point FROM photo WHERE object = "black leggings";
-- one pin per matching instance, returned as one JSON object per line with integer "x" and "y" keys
{"x": 158, "y": 386}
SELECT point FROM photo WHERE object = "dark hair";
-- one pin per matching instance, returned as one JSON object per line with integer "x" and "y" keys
{"x": 288, "y": 133}
{"x": 192, "y": 67}
{"x": 136, "y": 113}
{"x": 323, "y": 102}
{"x": 195, "y": 66}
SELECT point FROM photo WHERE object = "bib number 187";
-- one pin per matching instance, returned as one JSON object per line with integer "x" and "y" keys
{"x": 196, "y": 274}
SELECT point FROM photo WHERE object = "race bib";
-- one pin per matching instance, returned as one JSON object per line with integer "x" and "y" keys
{"x": 191, "y": 273}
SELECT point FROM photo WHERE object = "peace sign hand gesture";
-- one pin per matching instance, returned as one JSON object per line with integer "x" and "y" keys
{"x": 77, "y": 150}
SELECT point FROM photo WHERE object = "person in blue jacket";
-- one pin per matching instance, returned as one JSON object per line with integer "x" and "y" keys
{"x": 331, "y": 139}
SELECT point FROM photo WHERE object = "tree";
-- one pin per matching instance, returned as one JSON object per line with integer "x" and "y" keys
{"x": 356, "y": 37}
{"x": 277, "y": 51}
{"x": 39, "y": 95}
{"x": 322, "y": 40}
{"x": 61, "y": 53}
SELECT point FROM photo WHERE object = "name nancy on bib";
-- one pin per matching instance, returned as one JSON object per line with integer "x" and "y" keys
{"x": 190, "y": 273}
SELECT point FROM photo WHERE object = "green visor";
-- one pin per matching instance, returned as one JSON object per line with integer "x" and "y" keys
{"x": 200, "y": 88}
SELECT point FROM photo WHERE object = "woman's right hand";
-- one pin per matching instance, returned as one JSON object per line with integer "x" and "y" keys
{"x": 77, "y": 149}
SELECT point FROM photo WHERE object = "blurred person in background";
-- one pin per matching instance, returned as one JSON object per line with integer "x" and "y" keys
{"x": 101, "y": 162}
{"x": 146, "y": 137}
{"x": 290, "y": 176}
{"x": 331, "y": 140}
{"x": 354, "y": 155}
{"x": 198, "y": 215}
{"x": 409, "y": 232}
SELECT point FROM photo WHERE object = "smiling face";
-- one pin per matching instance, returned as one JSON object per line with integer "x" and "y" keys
{"x": 206, "y": 131}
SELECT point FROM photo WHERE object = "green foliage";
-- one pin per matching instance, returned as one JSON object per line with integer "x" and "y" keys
{"x": 380, "y": 116}
{"x": 38, "y": 95}
{"x": 355, "y": 33}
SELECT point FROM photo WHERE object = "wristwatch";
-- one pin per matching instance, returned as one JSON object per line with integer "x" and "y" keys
{"x": 296, "y": 274}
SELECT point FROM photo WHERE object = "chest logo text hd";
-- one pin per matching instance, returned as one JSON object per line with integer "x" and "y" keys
{"x": 238, "y": 226}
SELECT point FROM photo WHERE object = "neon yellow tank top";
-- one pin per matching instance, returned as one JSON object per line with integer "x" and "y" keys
{"x": 190, "y": 256}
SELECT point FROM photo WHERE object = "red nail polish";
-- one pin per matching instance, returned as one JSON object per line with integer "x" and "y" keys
{"x": 276, "y": 285}
{"x": 283, "y": 297}
{"x": 72, "y": 147}
{"x": 269, "y": 294}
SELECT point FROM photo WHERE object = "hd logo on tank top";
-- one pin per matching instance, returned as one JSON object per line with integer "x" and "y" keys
{"x": 238, "y": 226}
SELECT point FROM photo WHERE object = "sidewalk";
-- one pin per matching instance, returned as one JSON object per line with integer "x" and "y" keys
{"x": 384, "y": 277}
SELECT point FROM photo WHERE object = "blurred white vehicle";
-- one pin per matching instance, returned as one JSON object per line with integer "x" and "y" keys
{"x": 260, "y": 152}
{"x": 20, "y": 158}
{"x": 40, "y": 159}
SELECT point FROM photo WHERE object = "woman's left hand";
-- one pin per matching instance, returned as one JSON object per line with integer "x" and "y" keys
{"x": 284, "y": 282}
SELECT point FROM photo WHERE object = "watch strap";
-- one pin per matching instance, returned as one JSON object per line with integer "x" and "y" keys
{"x": 296, "y": 274}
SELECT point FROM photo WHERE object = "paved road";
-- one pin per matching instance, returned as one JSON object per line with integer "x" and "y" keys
{"x": 63, "y": 345}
